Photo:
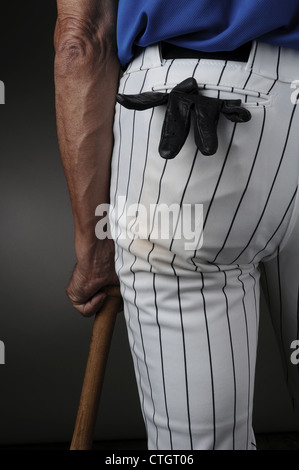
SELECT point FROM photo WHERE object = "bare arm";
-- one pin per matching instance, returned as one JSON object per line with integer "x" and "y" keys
{"x": 86, "y": 79}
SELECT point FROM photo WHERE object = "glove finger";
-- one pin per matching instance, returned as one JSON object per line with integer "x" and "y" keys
{"x": 189, "y": 86}
{"x": 176, "y": 126}
{"x": 142, "y": 101}
{"x": 205, "y": 126}
{"x": 233, "y": 111}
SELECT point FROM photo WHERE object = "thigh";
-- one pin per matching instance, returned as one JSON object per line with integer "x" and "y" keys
{"x": 280, "y": 275}
{"x": 193, "y": 342}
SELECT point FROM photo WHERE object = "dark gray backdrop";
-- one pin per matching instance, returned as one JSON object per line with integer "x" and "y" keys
{"x": 46, "y": 341}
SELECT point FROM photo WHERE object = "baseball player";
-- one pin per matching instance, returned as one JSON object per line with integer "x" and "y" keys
{"x": 198, "y": 132}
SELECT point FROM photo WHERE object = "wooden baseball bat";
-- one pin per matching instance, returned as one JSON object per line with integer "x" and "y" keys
{"x": 95, "y": 369}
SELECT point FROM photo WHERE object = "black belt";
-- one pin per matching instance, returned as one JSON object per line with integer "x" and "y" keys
{"x": 170, "y": 51}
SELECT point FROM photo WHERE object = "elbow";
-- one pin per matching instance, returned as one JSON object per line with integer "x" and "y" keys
{"x": 71, "y": 52}
{"x": 77, "y": 48}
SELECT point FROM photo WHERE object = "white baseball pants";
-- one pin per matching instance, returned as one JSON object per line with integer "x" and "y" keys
{"x": 192, "y": 311}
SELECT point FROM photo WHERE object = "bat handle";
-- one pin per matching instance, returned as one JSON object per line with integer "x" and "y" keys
{"x": 95, "y": 369}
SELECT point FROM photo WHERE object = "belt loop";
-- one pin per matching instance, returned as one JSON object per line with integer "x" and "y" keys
{"x": 153, "y": 56}
{"x": 251, "y": 58}
{"x": 148, "y": 57}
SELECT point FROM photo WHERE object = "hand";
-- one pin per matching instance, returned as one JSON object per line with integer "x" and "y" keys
{"x": 93, "y": 272}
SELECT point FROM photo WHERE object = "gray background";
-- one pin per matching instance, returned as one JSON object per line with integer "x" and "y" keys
{"x": 46, "y": 340}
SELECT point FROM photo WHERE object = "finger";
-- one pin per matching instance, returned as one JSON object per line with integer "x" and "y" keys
{"x": 233, "y": 111}
{"x": 92, "y": 305}
{"x": 176, "y": 126}
{"x": 188, "y": 86}
{"x": 142, "y": 101}
{"x": 205, "y": 125}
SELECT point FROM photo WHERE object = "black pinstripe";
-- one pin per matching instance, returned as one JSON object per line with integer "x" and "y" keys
{"x": 182, "y": 198}
{"x": 135, "y": 294}
{"x": 281, "y": 314}
{"x": 162, "y": 361}
{"x": 220, "y": 175}
{"x": 277, "y": 228}
{"x": 248, "y": 353}
{"x": 210, "y": 359}
{"x": 272, "y": 187}
{"x": 255, "y": 303}
{"x": 195, "y": 68}
{"x": 185, "y": 362}
{"x": 119, "y": 149}
{"x": 167, "y": 73}
{"x": 157, "y": 202}
{"x": 232, "y": 354}
{"x": 277, "y": 72}
{"x": 217, "y": 184}
{"x": 245, "y": 188}
{"x": 220, "y": 77}
{"x": 252, "y": 66}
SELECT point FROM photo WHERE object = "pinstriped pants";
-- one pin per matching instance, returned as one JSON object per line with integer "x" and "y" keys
{"x": 193, "y": 314}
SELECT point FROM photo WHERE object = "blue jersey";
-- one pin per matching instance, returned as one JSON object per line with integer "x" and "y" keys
{"x": 206, "y": 25}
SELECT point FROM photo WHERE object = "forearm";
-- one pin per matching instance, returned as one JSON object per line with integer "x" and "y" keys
{"x": 86, "y": 79}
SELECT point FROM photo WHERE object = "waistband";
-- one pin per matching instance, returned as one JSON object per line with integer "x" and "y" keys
{"x": 274, "y": 62}
{"x": 171, "y": 51}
